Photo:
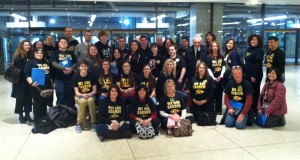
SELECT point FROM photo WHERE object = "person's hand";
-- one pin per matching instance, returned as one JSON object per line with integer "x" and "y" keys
{"x": 258, "y": 112}
{"x": 231, "y": 111}
{"x": 179, "y": 81}
{"x": 218, "y": 79}
{"x": 147, "y": 121}
{"x": 86, "y": 96}
{"x": 114, "y": 125}
{"x": 104, "y": 94}
{"x": 34, "y": 84}
{"x": 176, "y": 117}
{"x": 253, "y": 79}
{"x": 203, "y": 101}
{"x": 67, "y": 71}
{"x": 240, "y": 118}
{"x": 267, "y": 115}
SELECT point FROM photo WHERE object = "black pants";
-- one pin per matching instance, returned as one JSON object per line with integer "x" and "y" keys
{"x": 274, "y": 121}
{"x": 256, "y": 92}
{"x": 102, "y": 130}
{"x": 40, "y": 104}
{"x": 24, "y": 105}
{"x": 218, "y": 97}
{"x": 155, "y": 123}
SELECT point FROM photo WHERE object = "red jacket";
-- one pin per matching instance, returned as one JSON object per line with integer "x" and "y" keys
{"x": 276, "y": 99}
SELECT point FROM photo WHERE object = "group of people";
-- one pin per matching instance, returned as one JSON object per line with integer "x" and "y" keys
{"x": 149, "y": 85}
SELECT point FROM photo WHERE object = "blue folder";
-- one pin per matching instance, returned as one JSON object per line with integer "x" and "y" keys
{"x": 236, "y": 106}
{"x": 67, "y": 63}
{"x": 261, "y": 120}
{"x": 38, "y": 76}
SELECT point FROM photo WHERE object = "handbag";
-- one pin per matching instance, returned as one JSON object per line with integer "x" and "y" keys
{"x": 185, "y": 128}
{"x": 206, "y": 118}
{"x": 45, "y": 92}
{"x": 12, "y": 73}
{"x": 144, "y": 132}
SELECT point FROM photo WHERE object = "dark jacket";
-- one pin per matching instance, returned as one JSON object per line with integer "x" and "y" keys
{"x": 192, "y": 60}
{"x": 20, "y": 88}
{"x": 254, "y": 58}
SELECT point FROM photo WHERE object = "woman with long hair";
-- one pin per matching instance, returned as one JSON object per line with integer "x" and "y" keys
{"x": 21, "y": 89}
{"x": 147, "y": 79}
{"x": 117, "y": 61}
{"x": 93, "y": 59}
{"x": 142, "y": 110}
{"x": 232, "y": 58}
{"x": 253, "y": 66}
{"x": 127, "y": 80}
{"x": 135, "y": 57}
{"x": 112, "y": 116}
{"x": 202, "y": 89}
{"x": 106, "y": 78}
{"x": 216, "y": 69}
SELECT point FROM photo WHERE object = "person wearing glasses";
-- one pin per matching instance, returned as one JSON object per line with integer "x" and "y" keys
{"x": 272, "y": 100}
{"x": 237, "y": 91}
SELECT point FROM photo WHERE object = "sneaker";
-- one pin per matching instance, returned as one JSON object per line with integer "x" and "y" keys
{"x": 78, "y": 128}
{"x": 101, "y": 138}
{"x": 93, "y": 128}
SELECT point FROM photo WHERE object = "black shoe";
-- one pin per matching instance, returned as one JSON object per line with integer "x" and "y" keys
{"x": 282, "y": 121}
{"x": 22, "y": 119}
{"x": 219, "y": 113}
{"x": 28, "y": 118}
{"x": 101, "y": 138}
{"x": 156, "y": 132}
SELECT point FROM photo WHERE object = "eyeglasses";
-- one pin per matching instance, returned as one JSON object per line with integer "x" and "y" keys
{"x": 233, "y": 67}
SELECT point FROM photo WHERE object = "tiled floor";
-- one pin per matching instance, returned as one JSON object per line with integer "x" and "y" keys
{"x": 217, "y": 142}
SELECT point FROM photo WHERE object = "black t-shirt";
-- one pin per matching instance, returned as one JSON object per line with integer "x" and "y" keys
{"x": 108, "y": 111}
{"x": 84, "y": 84}
{"x": 48, "y": 51}
{"x": 125, "y": 80}
{"x": 216, "y": 64}
{"x": 103, "y": 49}
{"x": 172, "y": 105}
{"x": 276, "y": 59}
{"x": 182, "y": 52}
{"x": 201, "y": 89}
{"x": 142, "y": 80}
{"x": 238, "y": 92}
{"x": 180, "y": 63}
{"x": 59, "y": 56}
{"x": 140, "y": 109}
{"x": 156, "y": 63}
{"x": 40, "y": 64}
{"x": 105, "y": 82}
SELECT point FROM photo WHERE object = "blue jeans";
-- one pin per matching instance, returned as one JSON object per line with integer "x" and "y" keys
{"x": 64, "y": 93}
{"x": 230, "y": 121}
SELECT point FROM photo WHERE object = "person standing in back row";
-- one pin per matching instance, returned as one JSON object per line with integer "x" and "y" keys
{"x": 72, "y": 41}
{"x": 275, "y": 57}
{"x": 102, "y": 45}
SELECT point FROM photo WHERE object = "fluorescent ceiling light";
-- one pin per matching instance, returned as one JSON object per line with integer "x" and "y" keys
{"x": 267, "y": 19}
{"x": 159, "y": 17}
{"x": 230, "y": 23}
{"x": 184, "y": 24}
{"x": 93, "y": 17}
{"x": 18, "y": 16}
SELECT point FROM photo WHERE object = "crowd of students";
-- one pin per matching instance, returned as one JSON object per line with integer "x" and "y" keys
{"x": 121, "y": 86}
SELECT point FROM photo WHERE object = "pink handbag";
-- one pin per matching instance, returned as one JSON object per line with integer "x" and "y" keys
{"x": 171, "y": 123}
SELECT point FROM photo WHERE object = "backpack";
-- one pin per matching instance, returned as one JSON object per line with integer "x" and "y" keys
{"x": 62, "y": 116}
{"x": 185, "y": 128}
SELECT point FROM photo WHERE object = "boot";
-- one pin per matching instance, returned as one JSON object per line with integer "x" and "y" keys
{"x": 27, "y": 117}
{"x": 21, "y": 118}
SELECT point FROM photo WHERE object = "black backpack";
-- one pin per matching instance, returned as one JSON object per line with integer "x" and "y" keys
{"x": 63, "y": 116}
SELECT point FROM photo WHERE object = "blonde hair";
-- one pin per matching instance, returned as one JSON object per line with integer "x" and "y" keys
{"x": 165, "y": 72}
{"x": 20, "y": 50}
{"x": 169, "y": 81}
